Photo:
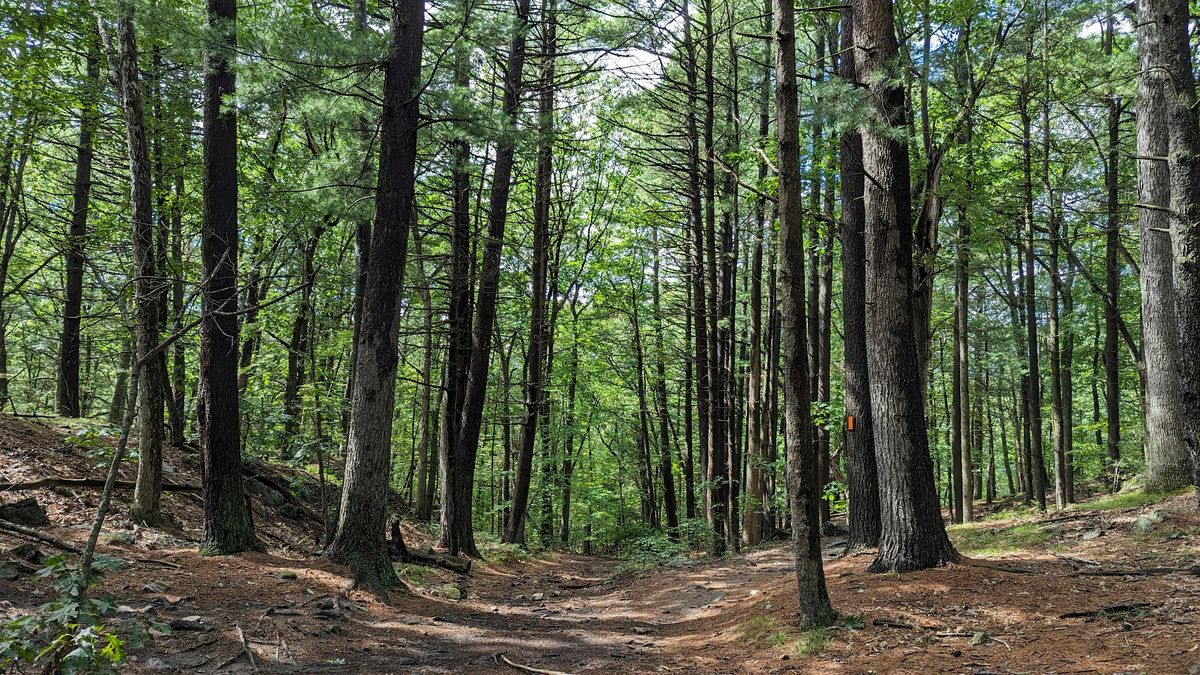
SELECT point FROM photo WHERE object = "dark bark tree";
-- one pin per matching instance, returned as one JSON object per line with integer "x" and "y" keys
{"x": 666, "y": 463}
{"x": 458, "y": 348}
{"x": 360, "y": 540}
{"x": 227, "y": 525}
{"x": 912, "y": 535}
{"x": 1112, "y": 270}
{"x": 755, "y": 508}
{"x": 803, "y": 488}
{"x": 537, "y": 356}
{"x": 68, "y": 355}
{"x": 862, "y": 474}
{"x": 457, "y": 531}
{"x": 1037, "y": 461}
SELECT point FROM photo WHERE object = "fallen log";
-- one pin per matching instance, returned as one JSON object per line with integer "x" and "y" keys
{"x": 450, "y": 562}
{"x": 97, "y": 483}
{"x": 38, "y": 536}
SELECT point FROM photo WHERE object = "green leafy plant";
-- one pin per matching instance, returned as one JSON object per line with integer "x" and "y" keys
{"x": 69, "y": 634}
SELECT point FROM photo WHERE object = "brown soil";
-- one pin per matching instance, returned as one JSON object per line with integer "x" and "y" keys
{"x": 1000, "y": 614}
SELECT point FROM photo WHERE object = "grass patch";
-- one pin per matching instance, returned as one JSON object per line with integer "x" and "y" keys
{"x": 1012, "y": 514}
{"x": 995, "y": 541}
{"x": 1129, "y": 500}
{"x": 766, "y": 630}
{"x": 812, "y": 642}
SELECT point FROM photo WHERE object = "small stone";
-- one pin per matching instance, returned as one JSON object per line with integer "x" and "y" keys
{"x": 289, "y": 575}
{"x": 978, "y": 638}
{"x": 641, "y": 630}
{"x": 189, "y": 623}
{"x": 538, "y": 597}
{"x": 556, "y": 593}
{"x": 119, "y": 538}
{"x": 453, "y": 592}
{"x": 1091, "y": 534}
{"x": 158, "y": 586}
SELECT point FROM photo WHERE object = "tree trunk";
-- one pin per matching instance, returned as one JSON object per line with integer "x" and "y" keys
{"x": 1171, "y": 20}
{"x": 423, "y": 506}
{"x": 1167, "y": 461}
{"x": 666, "y": 462}
{"x": 1112, "y": 268}
{"x": 458, "y": 348}
{"x": 536, "y": 356}
{"x": 862, "y": 474}
{"x": 754, "y": 501}
{"x": 360, "y": 538}
{"x": 803, "y": 489}
{"x": 1036, "y": 458}
{"x": 68, "y": 359}
{"x": 227, "y": 524}
{"x": 146, "y": 498}
{"x": 912, "y": 536}
{"x": 457, "y": 532}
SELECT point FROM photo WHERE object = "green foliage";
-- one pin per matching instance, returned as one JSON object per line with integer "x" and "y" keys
{"x": 977, "y": 539}
{"x": 1129, "y": 499}
{"x": 69, "y": 634}
{"x": 643, "y": 548}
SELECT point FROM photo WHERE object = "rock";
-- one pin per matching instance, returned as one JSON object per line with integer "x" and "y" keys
{"x": 189, "y": 623}
{"x": 1195, "y": 669}
{"x": 25, "y": 512}
{"x": 641, "y": 630}
{"x": 9, "y": 572}
{"x": 119, "y": 538}
{"x": 126, "y": 609}
{"x": 538, "y": 597}
{"x": 1091, "y": 534}
{"x": 157, "y": 586}
{"x": 978, "y": 638}
{"x": 289, "y": 575}
{"x": 29, "y": 553}
{"x": 453, "y": 592}
{"x": 155, "y": 664}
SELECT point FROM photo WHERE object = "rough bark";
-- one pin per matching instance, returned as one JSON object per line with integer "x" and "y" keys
{"x": 146, "y": 499}
{"x": 68, "y": 353}
{"x": 803, "y": 489}
{"x": 912, "y": 535}
{"x": 360, "y": 540}
{"x": 859, "y": 444}
{"x": 1171, "y": 20}
{"x": 227, "y": 526}
{"x": 457, "y": 532}
{"x": 1167, "y": 460}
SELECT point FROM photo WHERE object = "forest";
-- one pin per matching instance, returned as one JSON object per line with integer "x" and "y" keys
{"x": 388, "y": 334}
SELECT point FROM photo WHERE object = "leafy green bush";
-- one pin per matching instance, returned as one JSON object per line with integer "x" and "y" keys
{"x": 643, "y": 547}
{"x": 69, "y": 634}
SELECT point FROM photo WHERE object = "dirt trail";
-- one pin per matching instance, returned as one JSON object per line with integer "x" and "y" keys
{"x": 1083, "y": 591}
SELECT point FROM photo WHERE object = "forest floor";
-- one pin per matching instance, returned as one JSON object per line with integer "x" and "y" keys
{"x": 1104, "y": 587}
